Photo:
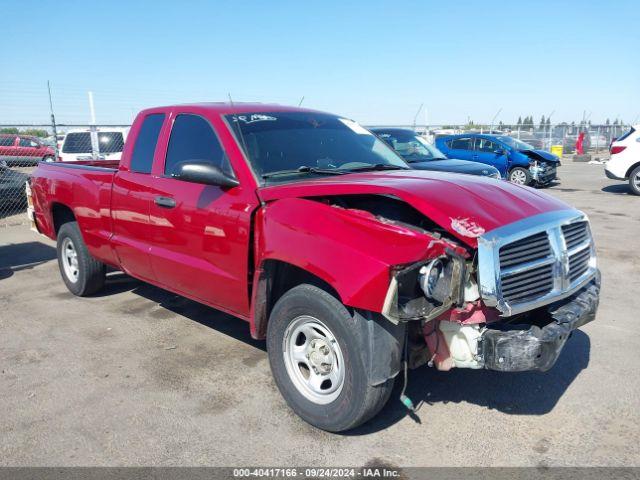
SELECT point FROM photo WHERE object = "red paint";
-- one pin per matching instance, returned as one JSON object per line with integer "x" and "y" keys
{"x": 24, "y": 148}
{"x": 210, "y": 246}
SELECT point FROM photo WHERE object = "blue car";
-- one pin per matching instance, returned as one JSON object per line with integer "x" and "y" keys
{"x": 421, "y": 155}
{"x": 517, "y": 161}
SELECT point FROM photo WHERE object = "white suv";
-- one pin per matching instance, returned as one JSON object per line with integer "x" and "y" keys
{"x": 79, "y": 144}
{"x": 625, "y": 159}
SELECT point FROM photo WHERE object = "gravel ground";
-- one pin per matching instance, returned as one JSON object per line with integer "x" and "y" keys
{"x": 139, "y": 376}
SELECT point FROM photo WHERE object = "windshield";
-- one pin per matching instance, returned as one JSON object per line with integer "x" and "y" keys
{"x": 413, "y": 148}
{"x": 515, "y": 143}
{"x": 279, "y": 144}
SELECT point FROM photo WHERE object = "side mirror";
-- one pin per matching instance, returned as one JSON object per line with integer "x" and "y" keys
{"x": 203, "y": 172}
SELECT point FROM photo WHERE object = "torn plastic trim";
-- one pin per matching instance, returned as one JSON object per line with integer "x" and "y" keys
{"x": 405, "y": 300}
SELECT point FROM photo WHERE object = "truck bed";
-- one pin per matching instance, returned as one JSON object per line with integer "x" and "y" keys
{"x": 84, "y": 187}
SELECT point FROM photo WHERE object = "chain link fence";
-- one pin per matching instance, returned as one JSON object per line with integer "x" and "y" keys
{"x": 23, "y": 146}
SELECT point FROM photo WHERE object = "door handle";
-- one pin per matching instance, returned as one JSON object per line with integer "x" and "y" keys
{"x": 165, "y": 202}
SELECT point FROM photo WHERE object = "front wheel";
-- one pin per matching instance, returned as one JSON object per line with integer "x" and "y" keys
{"x": 48, "y": 159}
{"x": 82, "y": 274}
{"x": 520, "y": 176}
{"x": 634, "y": 181}
{"x": 315, "y": 352}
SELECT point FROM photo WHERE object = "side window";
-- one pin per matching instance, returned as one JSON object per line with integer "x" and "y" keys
{"x": 461, "y": 144}
{"x": 486, "y": 146}
{"x": 193, "y": 139}
{"x": 27, "y": 142}
{"x": 7, "y": 141}
{"x": 143, "y": 150}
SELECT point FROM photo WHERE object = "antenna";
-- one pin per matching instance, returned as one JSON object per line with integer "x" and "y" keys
{"x": 235, "y": 117}
{"x": 415, "y": 118}
{"x": 493, "y": 120}
{"x": 53, "y": 119}
{"x": 301, "y": 100}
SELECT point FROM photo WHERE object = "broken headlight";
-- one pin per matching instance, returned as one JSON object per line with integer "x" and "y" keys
{"x": 434, "y": 281}
{"x": 423, "y": 290}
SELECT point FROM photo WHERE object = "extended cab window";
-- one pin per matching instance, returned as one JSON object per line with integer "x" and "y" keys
{"x": 193, "y": 140}
{"x": 142, "y": 158}
{"x": 7, "y": 141}
{"x": 461, "y": 144}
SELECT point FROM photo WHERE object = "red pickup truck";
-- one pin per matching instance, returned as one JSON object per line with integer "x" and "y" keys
{"x": 352, "y": 265}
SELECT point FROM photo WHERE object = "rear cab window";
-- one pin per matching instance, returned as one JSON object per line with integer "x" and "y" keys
{"x": 145, "y": 147}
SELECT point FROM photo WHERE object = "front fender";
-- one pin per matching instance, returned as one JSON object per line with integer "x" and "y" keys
{"x": 351, "y": 250}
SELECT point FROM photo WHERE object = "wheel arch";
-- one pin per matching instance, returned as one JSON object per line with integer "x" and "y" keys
{"x": 631, "y": 169}
{"x": 61, "y": 214}
{"x": 272, "y": 280}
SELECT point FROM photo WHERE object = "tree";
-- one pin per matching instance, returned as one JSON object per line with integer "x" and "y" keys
{"x": 607, "y": 121}
{"x": 519, "y": 121}
{"x": 542, "y": 123}
{"x": 10, "y": 130}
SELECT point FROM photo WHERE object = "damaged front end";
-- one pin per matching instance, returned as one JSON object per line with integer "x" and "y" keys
{"x": 509, "y": 308}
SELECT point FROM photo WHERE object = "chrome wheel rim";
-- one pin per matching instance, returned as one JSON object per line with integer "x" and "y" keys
{"x": 313, "y": 359}
{"x": 70, "y": 260}
{"x": 518, "y": 177}
{"x": 636, "y": 181}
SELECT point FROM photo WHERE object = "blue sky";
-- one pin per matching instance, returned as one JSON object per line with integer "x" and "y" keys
{"x": 373, "y": 61}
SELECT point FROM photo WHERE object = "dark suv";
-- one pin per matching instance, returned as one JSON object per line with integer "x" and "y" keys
{"x": 24, "y": 150}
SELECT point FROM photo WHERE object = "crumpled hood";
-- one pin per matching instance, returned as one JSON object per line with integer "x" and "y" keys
{"x": 464, "y": 205}
{"x": 541, "y": 155}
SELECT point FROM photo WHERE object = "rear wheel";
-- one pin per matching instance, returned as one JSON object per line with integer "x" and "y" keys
{"x": 314, "y": 348}
{"x": 520, "y": 176}
{"x": 82, "y": 274}
{"x": 48, "y": 158}
{"x": 634, "y": 181}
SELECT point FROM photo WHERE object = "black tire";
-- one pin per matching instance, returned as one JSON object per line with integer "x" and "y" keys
{"x": 634, "y": 181}
{"x": 520, "y": 176}
{"x": 358, "y": 401}
{"x": 90, "y": 272}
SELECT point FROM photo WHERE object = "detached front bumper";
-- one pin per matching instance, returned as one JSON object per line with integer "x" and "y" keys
{"x": 528, "y": 347}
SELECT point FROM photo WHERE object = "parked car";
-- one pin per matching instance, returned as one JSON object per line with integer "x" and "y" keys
{"x": 624, "y": 163}
{"x": 517, "y": 161}
{"x": 24, "y": 150}
{"x": 421, "y": 155}
{"x": 12, "y": 186}
{"x": 78, "y": 144}
{"x": 529, "y": 138}
{"x": 310, "y": 228}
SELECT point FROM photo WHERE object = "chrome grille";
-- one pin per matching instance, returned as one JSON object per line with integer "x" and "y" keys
{"x": 530, "y": 283}
{"x": 575, "y": 234}
{"x": 526, "y": 269}
{"x": 528, "y": 249}
{"x": 535, "y": 261}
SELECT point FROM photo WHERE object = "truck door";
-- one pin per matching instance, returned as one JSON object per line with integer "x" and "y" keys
{"x": 131, "y": 199}
{"x": 201, "y": 233}
{"x": 490, "y": 153}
